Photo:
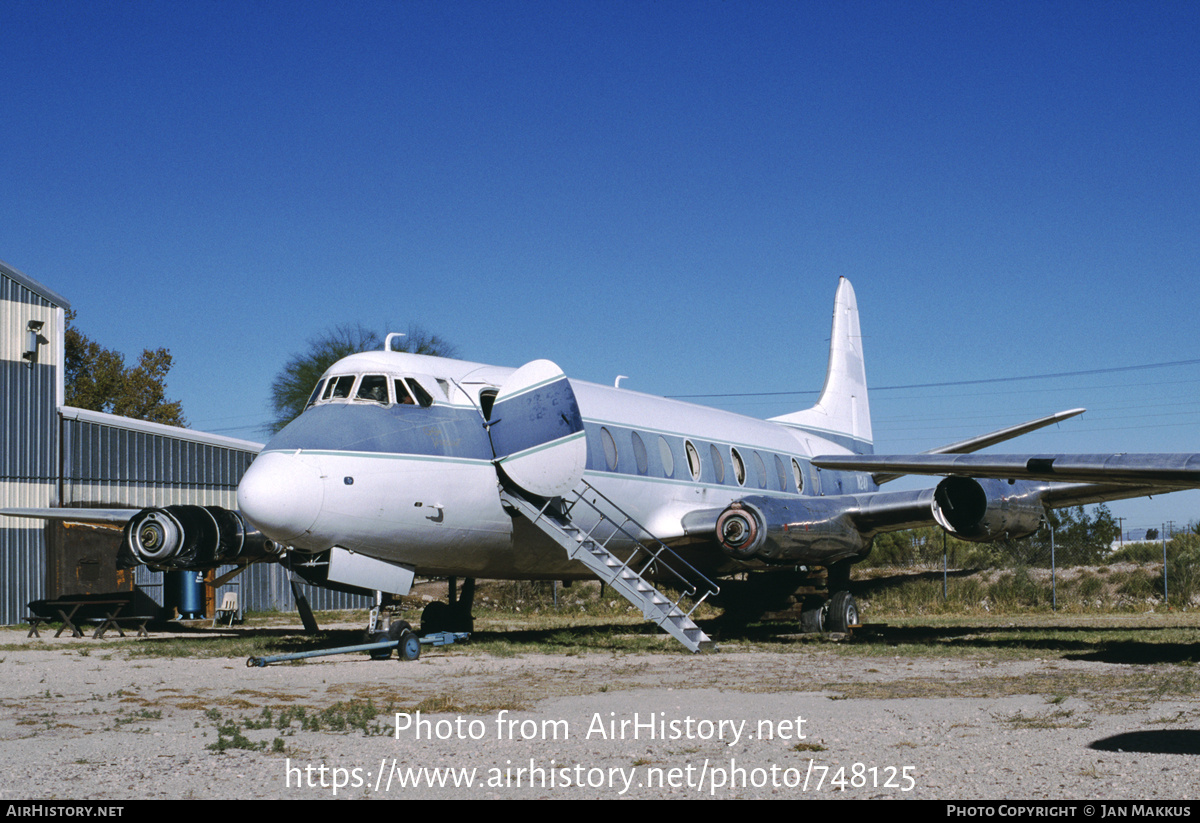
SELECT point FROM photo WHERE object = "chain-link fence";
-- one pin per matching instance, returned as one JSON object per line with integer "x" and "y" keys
{"x": 1074, "y": 563}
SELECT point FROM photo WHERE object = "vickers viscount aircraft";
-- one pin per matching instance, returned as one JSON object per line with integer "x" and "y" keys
{"x": 405, "y": 465}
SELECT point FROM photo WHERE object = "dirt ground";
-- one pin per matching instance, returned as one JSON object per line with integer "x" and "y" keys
{"x": 86, "y": 719}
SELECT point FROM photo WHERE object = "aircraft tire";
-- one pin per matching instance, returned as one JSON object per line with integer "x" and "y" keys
{"x": 460, "y": 620}
{"x": 435, "y": 618}
{"x": 812, "y": 616}
{"x": 410, "y": 646}
{"x": 378, "y": 637}
{"x": 843, "y": 612}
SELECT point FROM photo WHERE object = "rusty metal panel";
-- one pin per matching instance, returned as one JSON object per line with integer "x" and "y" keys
{"x": 82, "y": 560}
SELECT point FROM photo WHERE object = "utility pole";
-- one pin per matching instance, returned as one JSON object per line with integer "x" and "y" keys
{"x": 1166, "y": 599}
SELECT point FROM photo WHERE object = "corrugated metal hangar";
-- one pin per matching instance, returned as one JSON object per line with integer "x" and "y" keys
{"x": 52, "y": 455}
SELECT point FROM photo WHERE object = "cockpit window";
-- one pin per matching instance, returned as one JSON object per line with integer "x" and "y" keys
{"x": 423, "y": 397}
{"x": 338, "y": 387}
{"x": 312, "y": 398}
{"x": 412, "y": 393}
{"x": 374, "y": 388}
{"x": 371, "y": 388}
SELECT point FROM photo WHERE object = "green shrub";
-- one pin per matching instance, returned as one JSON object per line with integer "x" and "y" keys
{"x": 1183, "y": 577}
{"x": 1089, "y": 586}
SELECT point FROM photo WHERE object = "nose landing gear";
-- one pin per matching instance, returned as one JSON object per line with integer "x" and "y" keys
{"x": 399, "y": 631}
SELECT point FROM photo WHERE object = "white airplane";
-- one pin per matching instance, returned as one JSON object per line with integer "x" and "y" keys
{"x": 405, "y": 465}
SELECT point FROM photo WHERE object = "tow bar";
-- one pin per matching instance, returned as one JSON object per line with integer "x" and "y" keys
{"x": 408, "y": 647}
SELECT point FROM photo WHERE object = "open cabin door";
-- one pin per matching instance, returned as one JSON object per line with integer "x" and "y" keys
{"x": 537, "y": 431}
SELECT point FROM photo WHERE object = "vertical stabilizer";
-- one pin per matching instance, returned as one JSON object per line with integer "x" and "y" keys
{"x": 842, "y": 414}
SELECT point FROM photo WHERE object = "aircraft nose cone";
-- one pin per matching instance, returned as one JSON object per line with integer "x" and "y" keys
{"x": 281, "y": 494}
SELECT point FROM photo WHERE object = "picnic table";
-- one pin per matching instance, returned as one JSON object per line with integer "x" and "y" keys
{"x": 106, "y": 611}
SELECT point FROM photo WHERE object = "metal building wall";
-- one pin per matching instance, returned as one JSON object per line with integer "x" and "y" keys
{"x": 54, "y": 455}
{"x": 112, "y": 462}
{"x": 264, "y": 587}
{"x": 29, "y": 391}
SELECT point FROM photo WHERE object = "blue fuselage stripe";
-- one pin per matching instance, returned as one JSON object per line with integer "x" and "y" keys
{"x": 437, "y": 431}
{"x": 442, "y": 432}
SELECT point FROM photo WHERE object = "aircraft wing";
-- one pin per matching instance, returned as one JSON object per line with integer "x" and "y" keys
{"x": 1160, "y": 471}
{"x": 115, "y": 516}
{"x": 974, "y": 444}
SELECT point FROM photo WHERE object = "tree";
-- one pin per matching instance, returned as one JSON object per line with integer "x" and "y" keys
{"x": 1079, "y": 538}
{"x": 294, "y": 383}
{"x": 96, "y": 378}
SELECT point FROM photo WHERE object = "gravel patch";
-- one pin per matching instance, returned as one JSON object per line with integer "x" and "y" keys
{"x": 94, "y": 722}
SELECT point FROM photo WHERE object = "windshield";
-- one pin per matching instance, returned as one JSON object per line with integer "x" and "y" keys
{"x": 380, "y": 389}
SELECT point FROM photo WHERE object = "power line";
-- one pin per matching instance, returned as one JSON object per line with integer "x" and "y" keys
{"x": 982, "y": 381}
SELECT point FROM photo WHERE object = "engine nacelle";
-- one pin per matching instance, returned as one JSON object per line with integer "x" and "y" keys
{"x": 984, "y": 510}
{"x": 805, "y": 531}
{"x": 192, "y": 537}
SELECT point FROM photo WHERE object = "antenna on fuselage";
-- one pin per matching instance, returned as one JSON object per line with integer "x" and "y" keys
{"x": 617, "y": 382}
{"x": 387, "y": 343}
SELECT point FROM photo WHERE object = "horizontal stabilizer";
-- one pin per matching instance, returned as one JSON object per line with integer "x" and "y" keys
{"x": 1180, "y": 471}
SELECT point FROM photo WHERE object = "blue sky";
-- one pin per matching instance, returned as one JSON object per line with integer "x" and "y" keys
{"x": 666, "y": 190}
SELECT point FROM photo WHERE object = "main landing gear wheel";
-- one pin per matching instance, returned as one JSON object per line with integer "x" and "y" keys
{"x": 454, "y": 616}
{"x": 442, "y": 617}
{"x": 435, "y": 617}
{"x": 843, "y": 613}
{"x": 812, "y": 616}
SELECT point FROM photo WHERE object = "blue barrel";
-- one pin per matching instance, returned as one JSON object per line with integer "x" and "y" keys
{"x": 184, "y": 591}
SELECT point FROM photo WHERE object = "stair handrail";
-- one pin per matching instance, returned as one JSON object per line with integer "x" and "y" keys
{"x": 664, "y": 555}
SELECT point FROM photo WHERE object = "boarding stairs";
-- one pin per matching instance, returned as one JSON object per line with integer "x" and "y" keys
{"x": 557, "y": 517}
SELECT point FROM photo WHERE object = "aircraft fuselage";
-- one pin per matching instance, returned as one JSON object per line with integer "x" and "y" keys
{"x": 409, "y": 477}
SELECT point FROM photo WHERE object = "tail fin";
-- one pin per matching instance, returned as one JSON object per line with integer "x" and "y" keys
{"x": 842, "y": 414}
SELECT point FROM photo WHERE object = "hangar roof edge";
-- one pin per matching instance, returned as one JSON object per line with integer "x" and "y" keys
{"x": 33, "y": 285}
